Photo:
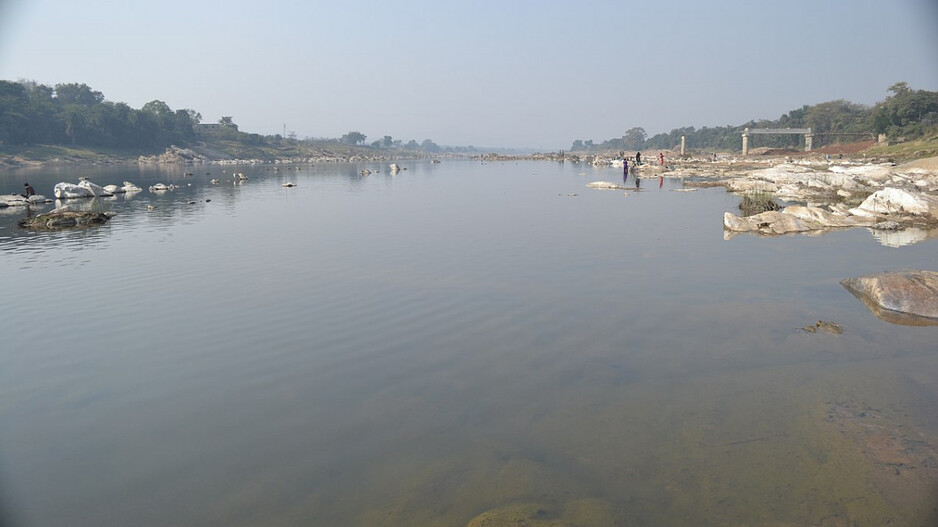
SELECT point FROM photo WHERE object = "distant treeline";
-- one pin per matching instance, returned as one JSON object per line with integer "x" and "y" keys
{"x": 907, "y": 113}
{"x": 75, "y": 114}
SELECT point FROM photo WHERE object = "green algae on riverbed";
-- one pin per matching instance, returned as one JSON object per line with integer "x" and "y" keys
{"x": 834, "y": 450}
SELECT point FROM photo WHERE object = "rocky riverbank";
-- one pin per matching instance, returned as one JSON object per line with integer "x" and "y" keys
{"x": 898, "y": 203}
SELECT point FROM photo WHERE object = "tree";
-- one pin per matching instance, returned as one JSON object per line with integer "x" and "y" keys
{"x": 634, "y": 138}
{"x": 80, "y": 94}
{"x": 907, "y": 112}
{"x": 429, "y": 146}
{"x": 13, "y": 120}
{"x": 353, "y": 138}
{"x": 194, "y": 116}
{"x": 228, "y": 122}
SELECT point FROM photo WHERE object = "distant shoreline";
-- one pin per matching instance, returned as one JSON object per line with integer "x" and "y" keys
{"x": 48, "y": 156}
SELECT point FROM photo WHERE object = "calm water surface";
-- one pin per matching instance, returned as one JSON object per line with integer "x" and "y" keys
{"x": 458, "y": 342}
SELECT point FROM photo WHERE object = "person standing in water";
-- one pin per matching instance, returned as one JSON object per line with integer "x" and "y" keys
{"x": 638, "y": 158}
{"x": 660, "y": 158}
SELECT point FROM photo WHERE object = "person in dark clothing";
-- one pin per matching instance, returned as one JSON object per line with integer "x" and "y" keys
{"x": 638, "y": 158}
{"x": 29, "y": 191}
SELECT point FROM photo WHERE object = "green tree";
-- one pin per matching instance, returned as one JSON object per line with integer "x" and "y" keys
{"x": 80, "y": 94}
{"x": 14, "y": 121}
{"x": 353, "y": 138}
{"x": 228, "y": 122}
{"x": 634, "y": 138}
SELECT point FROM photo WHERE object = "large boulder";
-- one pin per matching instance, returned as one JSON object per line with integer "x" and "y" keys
{"x": 65, "y": 190}
{"x": 901, "y": 297}
{"x": 897, "y": 201}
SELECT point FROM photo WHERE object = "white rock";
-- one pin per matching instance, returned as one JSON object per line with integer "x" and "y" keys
{"x": 891, "y": 201}
{"x": 605, "y": 185}
{"x": 65, "y": 190}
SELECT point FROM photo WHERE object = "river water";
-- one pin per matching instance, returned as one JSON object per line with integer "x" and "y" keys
{"x": 459, "y": 342}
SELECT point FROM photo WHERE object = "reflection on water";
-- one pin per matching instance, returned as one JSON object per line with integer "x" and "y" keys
{"x": 456, "y": 344}
{"x": 903, "y": 237}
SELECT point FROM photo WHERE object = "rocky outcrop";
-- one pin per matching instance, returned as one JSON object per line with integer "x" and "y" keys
{"x": 901, "y": 297}
{"x": 60, "y": 219}
{"x": 793, "y": 219}
{"x": 174, "y": 154}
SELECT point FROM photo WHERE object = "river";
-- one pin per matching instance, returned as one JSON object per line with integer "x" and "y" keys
{"x": 458, "y": 342}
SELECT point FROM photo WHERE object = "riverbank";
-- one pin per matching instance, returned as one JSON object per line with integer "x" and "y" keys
{"x": 216, "y": 153}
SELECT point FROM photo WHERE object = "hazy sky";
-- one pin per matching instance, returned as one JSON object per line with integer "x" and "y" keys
{"x": 487, "y": 73}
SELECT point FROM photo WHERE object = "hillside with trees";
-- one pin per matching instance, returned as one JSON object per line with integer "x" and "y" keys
{"x": 77, "y": 118}
{"x": 904, "y": 115}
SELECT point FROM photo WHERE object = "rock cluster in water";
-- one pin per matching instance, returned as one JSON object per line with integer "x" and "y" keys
{"x": 64, "y": 219}
{"x": 882, "y": 197}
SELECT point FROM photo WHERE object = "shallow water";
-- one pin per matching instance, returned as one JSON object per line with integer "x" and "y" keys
{"x": 455, "y": 340}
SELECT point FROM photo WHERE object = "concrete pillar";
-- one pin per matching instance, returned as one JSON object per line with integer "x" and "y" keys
{"x": 746, "y": 142}
{"x": 882, "y": 139}
{"x": 808, "y": 139}
{"x": 682, "y": 146}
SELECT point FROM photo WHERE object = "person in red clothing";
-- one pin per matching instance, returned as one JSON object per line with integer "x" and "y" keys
{"x": 660, "y": 158}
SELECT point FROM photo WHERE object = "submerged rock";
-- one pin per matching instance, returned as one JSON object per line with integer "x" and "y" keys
{"x": 606, "y": 185}
{"x": 59, "y": 219}
{"x": 824, "y": 325}
{"x": 900, "y": 297}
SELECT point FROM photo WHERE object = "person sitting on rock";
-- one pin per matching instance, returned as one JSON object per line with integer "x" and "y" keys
{"x": 29, "y": 191}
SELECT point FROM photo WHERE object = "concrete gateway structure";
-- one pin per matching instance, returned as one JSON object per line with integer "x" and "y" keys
{"x": 808, "y": 136}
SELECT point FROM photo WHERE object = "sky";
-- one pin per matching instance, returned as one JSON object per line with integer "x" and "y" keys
{"x": 499, "y": 73}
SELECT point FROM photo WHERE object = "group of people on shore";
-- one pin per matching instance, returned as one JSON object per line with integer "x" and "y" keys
{"x": 638, "y": 160}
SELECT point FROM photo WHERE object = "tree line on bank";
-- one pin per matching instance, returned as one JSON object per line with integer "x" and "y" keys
{"x": 906, "y": 114}
{"x": 74, "y": 114}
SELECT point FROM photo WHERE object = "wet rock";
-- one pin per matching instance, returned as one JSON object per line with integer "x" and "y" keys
{"x": 15, "y": 200}
{"x": 65, "y": 219}
{"x": 901, "y": 297}
{"x": 606, "y": 185}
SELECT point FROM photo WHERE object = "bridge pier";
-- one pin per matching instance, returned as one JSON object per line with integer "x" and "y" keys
{"x": 682, "y": 146}
{"x": 808, "y": 140}
{"x": 746, "y": 142}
